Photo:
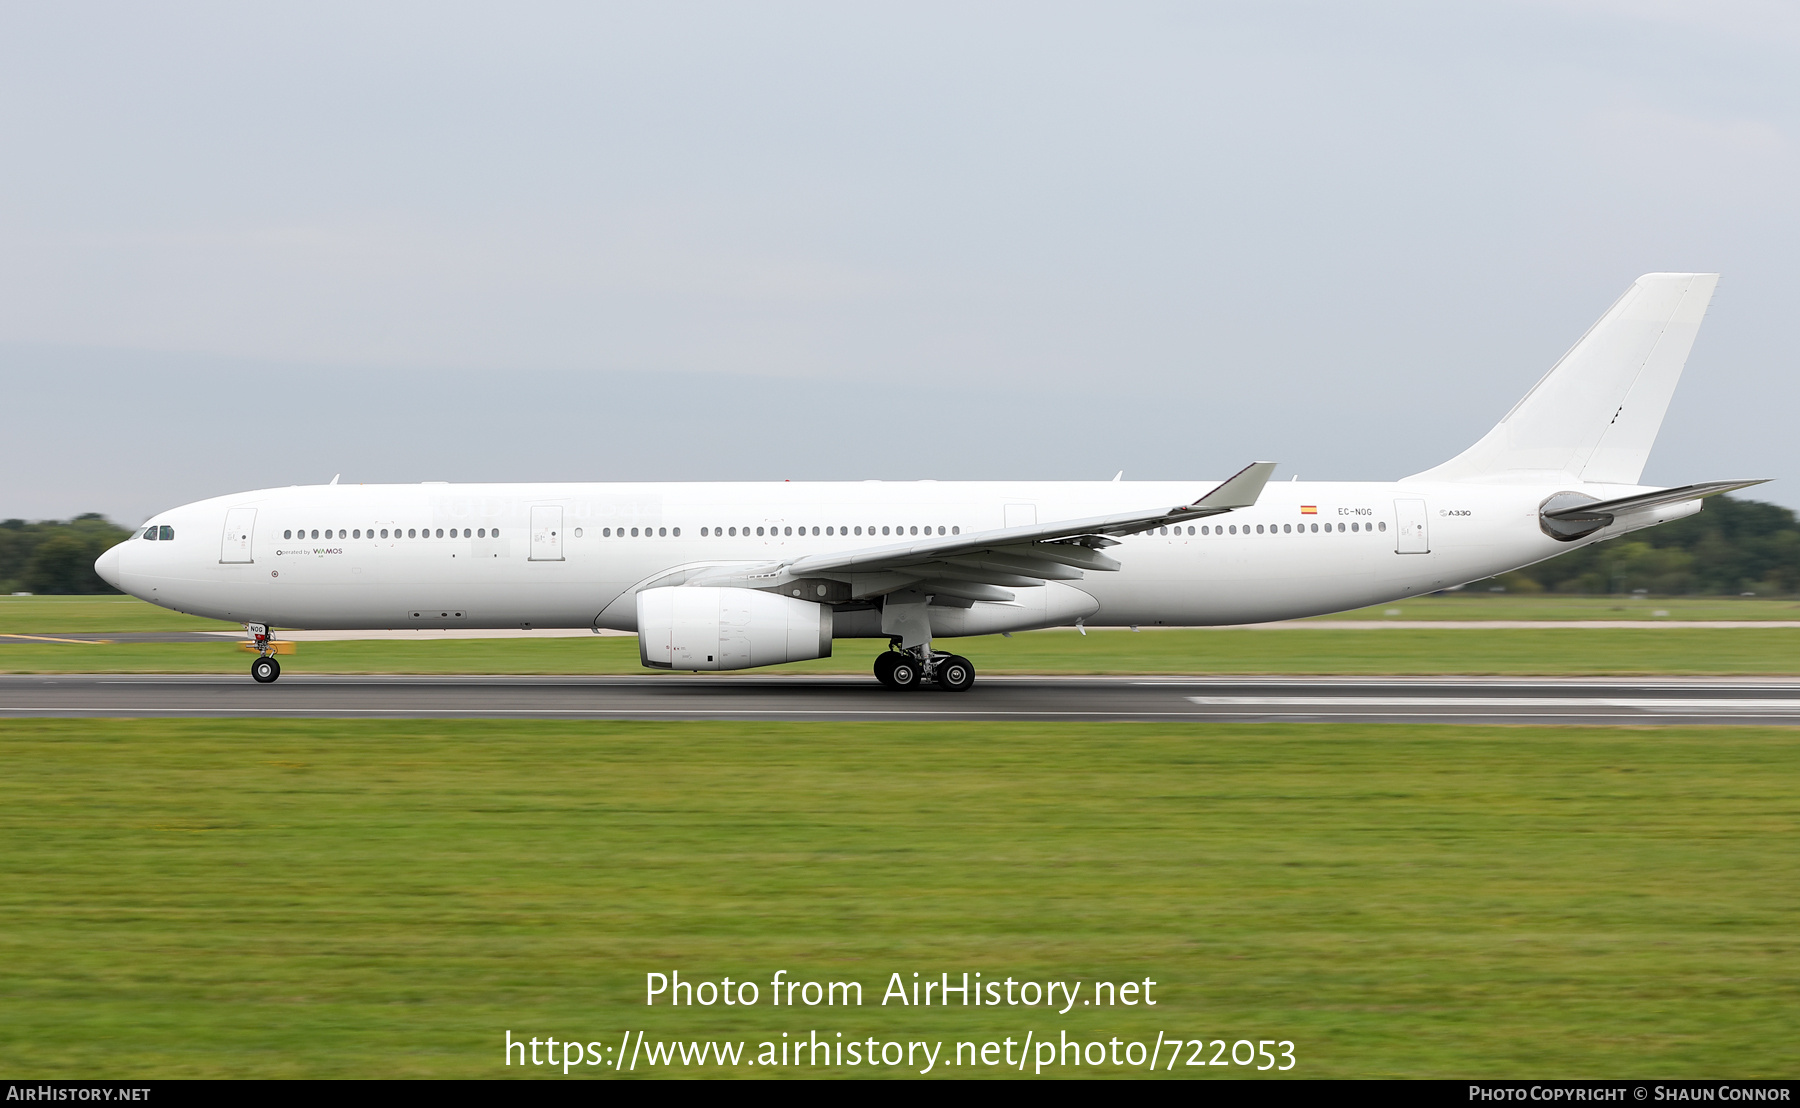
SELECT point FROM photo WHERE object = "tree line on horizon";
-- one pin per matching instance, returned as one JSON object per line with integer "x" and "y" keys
{"x": 56, "y": 556}
{"x": 1730, "y": 548}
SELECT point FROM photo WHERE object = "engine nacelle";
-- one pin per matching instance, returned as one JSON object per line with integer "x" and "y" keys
{"x": 704, "y": 628}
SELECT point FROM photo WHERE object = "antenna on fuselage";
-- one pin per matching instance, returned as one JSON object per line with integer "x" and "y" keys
{"x": 334, "y": 477}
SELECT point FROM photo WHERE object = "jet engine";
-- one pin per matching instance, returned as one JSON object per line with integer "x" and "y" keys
{"x": 704, "y": 628}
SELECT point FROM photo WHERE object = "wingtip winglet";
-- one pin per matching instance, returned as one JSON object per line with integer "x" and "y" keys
{"x": 1241, "y": 489}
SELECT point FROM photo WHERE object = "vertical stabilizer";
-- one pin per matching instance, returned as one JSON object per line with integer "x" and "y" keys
{"x": 1595, "y": 415}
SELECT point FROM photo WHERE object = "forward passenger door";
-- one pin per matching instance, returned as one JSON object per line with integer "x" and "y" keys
{"x": 240, "y": 531}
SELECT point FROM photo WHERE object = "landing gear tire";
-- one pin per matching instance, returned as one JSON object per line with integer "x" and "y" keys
{"x": 955, "y": 674}
{"x": 903, "y": 673}
{"x": 265, "y": 670}
{"x": 884, "y": 668}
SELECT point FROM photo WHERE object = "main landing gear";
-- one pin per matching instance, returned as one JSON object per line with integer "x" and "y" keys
{"x": 908, "y": 669}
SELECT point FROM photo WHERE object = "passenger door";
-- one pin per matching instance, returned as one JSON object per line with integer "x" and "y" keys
{"x": 546, "y": 533}
{"x": 240, "y": 530}
{"x": 1410, "y": 536}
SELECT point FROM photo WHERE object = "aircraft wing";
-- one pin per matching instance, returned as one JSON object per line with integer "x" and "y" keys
{"x": 976, "y": 566}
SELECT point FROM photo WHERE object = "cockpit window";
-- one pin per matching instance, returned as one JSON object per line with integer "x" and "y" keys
{"x": 150, "y": 533}
{"x": 165, "y": 533}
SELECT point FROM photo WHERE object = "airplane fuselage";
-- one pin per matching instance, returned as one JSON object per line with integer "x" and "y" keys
{"x": 573, "y": 555}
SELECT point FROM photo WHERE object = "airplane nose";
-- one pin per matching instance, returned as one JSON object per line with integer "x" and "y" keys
{"x": 107, "y": 566}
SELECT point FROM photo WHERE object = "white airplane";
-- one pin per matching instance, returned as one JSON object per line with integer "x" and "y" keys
{"x": 721, "y": 576}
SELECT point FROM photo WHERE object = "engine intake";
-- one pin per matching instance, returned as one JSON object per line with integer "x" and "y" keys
{"x": 705, "y": 628}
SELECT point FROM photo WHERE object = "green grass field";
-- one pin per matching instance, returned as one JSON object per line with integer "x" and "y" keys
{"x": 39, "y": 615}
{"x": 50, "y": 615}
{"x": 1483, "y": 605}
{"x": 1771, "y": 651}
{"x": 203, "y": 898}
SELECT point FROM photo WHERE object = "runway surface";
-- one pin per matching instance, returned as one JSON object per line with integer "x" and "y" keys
{"x": 1375, "y": 699}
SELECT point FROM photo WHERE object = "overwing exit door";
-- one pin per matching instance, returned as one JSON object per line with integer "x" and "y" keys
{"x": 240, "y": 528}
{"x": 546, "y": 533}
{"x": 1410, "y": 535}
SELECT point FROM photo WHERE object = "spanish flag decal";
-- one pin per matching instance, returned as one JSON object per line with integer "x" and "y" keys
{"x": 1309, "y": 509}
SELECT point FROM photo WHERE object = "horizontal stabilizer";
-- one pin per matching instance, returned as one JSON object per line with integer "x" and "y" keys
{"x": 1607, "y": 509}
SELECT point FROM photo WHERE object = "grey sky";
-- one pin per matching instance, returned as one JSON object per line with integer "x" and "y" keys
{"x": 250, "y": 245}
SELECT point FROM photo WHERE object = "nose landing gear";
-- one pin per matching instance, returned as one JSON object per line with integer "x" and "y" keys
{"x": 265, "y": 668}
